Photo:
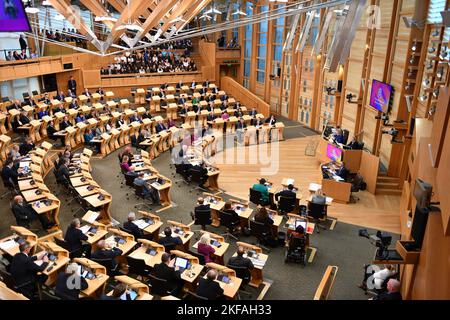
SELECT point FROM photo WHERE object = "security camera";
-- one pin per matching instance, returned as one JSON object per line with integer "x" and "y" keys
{"x": 350, "y": 97}
{"x": 330, "y": 90}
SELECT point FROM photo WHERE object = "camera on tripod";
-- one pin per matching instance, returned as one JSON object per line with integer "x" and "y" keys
{"x": 381, "y": 239}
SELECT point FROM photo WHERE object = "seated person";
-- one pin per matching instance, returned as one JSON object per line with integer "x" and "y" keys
{"x": 297, "y": 237}
{"x": 51, "y": 130}
{"x": 147, "y": 189}
{"x": 63, "y": 172}
{"x": 24, "y": 214}
{"x": 201, "y": 206}
{"x": 203, "y": 172}
{"x": 74, "y": 238}
{"x": 160, "y": 127}
{"x": 24, "y": 269}
{"x": 135, "y": 117}
{"x": 168, "y": 239}
{"x": 80, "y": 118}
{"x": 26, "y": 146}
{"x": 271, "y": 120}
{"x": 393, "y": 291}
{"x": 263, "y": 189}
{"x": 342, "y": 172}
{"x": 166, "y": 271}
{"x": 318, "y": 197}
{"x": 209, "y": 288}
{"x": 338, "y": 135}
{"x": 204, "y": 247}
{"x": 65, "y": 281}
{"x": 117, "y": 293}
{"x": 262, "y": 216}
{"x": 240, "y": 261}
{"x": 228, "y": 208}
{"x": 42, "y": 114}
{"x": 287, "y": 193}
{"x": 125, "y": 166}
{"x": 64, "y": 124}
{"x": 376, "y": 277}
{"x": 107, "y": 252}
{"x": 137, "y": 232}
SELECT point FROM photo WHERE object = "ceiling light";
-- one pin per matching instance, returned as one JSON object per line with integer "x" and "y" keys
{"x": 205, "y": 17}
{"x": 239, "y": 12}
{"x": 105, "y": 18}
{"x": 130, "y": 26}
{"x": 31, "y": 10}
{"x": 59, "y": 17}
{"x": 213, "y": 11}
{"x": 177, "y": 19}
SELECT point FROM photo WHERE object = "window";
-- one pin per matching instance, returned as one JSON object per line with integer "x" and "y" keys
{"x": 248, "y": 31}
{"x": 262, "y": 47}
{"x": 434, "y": 11}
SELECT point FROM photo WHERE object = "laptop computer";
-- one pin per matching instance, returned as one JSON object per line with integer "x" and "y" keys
{"x": 181, "y": 263}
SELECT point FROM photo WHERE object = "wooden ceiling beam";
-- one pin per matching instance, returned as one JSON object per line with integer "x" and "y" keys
{"x": 178, "y": 12}
{"x": 98, "y": 10}
{"x": 180, "y": 25}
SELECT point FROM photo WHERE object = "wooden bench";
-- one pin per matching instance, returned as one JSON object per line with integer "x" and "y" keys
{"x": 326, "y": 284}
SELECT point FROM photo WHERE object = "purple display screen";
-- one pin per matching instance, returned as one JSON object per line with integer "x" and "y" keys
{"x": 13, "y": 16}
{"x": 380, "y": 95}
{"x": 334, "y": 153}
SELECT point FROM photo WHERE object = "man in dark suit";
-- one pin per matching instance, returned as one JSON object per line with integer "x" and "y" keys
{"x": 72, "y": 85}
{"x": 137, "y": 232}
{"x": 209, "y": 288}
{"x": 342, "y": 172}
{"x": 64, "y": 124}
{"x": 287, "y": 193}
{"x": 168, "y": 239}
{"x": 201, "y": 206}
{"x": 24, "y": 214}
{"x": 23, "y": 43}
{"x": 74, "y": 237}
{"x": 24, "y": 119}
{"x": 105, "y": 253}
{"x": 165, "y": 270}
{"x": 61, "y": 96}
{"x": 9, "y": 172}
{"x": 240, "y": 261}
{"x": 15, "y": 105}
{"x": 203, "y": 172}
{"x": 393, "y": 291}
{"x": 135, "y": 117}
{"x": 181, "y": 101}
{"x": 24, "y": 269}
{"x": 26, "y": 146}
{"x": 160, "y": 127}
{"x": 67, "y": 287}
{"x": 63, "y": 172}
{"x": 271, "y": 120}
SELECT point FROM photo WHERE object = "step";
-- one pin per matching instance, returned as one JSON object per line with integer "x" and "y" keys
{"x": 388, "y": 179}
{"x": 387, "y": 185}
{"x": 390, "y": 192}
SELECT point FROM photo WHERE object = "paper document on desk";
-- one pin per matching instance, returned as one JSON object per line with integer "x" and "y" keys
{"x": 155, "y": 185}
{"x": 23, "y": 164}
{"x": 9, "y": 244}
{"x": 329, "y": 199}
{"x": 85, "y": 229}
{"x": 92, "y": 217}
{"x": 314, "y": 186}
{"x": 337, "y": 178}
{"x": 290, "y": 181}
{"x": 39, "y": 262}
{"x": 141, "y": 224}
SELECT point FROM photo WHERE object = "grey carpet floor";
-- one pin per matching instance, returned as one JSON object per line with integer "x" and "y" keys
{"x": 340, "y": 247}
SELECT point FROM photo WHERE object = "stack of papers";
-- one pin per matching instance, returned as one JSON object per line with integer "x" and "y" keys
{"x": 155, "y": 185}
{"x": 23, "y": 164}
{"x": 93, "y": 216}
{"x": 6, "y": 245}
{"x": 314, "y": 187}
{"x": 85, "y": 228}
{"x": 290, "y": 181}
{"x": 141, "y": 224}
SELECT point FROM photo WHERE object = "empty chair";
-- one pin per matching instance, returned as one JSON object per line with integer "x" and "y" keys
{"x": 78, "y": 253}
{"x": 137, "y": 267}
{"x": 111, "y": 269}
{"x": 193, "y": 296}
{"x": 261, "y": 232}
{"x": 317, "y": 213}
{"x": 159, "y": 286}
{"x": 202, "y": 218}
{"x": 201, "y": 258}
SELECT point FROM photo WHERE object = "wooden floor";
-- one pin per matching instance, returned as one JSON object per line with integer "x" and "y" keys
{"x": 240, "y": 168}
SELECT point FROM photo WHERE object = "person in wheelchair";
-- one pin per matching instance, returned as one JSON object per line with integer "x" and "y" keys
{"x": 298, "y": 240}
{"x": 377, "y": 279}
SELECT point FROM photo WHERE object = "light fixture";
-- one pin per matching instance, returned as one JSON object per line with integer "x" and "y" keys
{"x": 213, "y": 10}
{"x": 239, "y": 12}
{"x": 105, "y": 18}
{"x": 410, "y": 22}
{"x": 435, "y": 33}
{"x": 431, "y": 50}
{"x": 205, "y": 17}
{"x": 426, "y": 82}
{"x": 130, "y": 26}
{"x": 436, "y": 92}
{"x": 46, "y": 3}
{"x": 423, "y": 98}
{"x": 412, "y": 59}
{"x": 444, "y": 53}
{"x": 178, "y": 19}
{"x": 31, "y": 10}
{"x": 430, "y": 65}
{"x": 414, "y": 46}
{"x": 440, "y": 73}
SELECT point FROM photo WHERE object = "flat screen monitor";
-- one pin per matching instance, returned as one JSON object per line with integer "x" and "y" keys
{"x": 300, "y": 223}
{"x": 419, "y": 225}
{"x": 334, "y": 153}
{"x": 380, "y": 96}
{"x": 181, "y": 263}
{"x": 13, "y": 17}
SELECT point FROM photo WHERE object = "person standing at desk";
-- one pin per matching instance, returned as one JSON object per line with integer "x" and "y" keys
{"x": 204, "y": 247}
{"x": 263, "y": 189}
{"x": 287, "y": 193}
{"x": 209, "y": 288}
{"x": 24, "y": 269}
{"x": 72, "y": 85}
{"x": 67, "y": 279}
{"x": 240, "y": 126}
{"x": 74, "y": 237}
{"x": 166, "y": 271}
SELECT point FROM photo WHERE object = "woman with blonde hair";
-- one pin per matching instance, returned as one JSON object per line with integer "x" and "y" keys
{"x": 204, "y": 247}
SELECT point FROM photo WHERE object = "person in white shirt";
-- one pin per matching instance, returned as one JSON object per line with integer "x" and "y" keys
{"x": 375, "y": 279}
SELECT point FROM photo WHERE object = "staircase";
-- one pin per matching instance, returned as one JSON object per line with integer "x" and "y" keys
{"x": 388, "y": 185}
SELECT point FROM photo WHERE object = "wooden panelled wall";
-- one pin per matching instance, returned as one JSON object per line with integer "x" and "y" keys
{"x": 376, "y": 54}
